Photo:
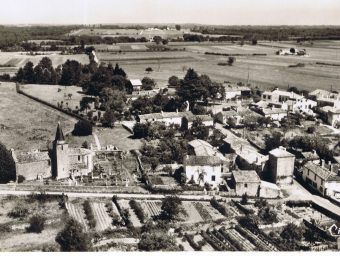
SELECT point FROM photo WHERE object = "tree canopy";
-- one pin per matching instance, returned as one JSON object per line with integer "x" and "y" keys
{"x": 7, "y": 165}
{"x": 73, "y": 238}
{"x": 171, "y": 207}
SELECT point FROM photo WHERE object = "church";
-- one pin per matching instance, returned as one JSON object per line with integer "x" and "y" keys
{"x": 61, "y": 162}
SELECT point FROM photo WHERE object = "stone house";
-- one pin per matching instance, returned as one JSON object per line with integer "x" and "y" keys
{"x": 187, "y": 121}
{"x": 274, "y": 113}
{"x": 281, "y": 166}
{"x": 166, "y": 117}
{"x": 246, "y": 182}
{"x": 333, "y": 117}
{"x": 136, "y": 84}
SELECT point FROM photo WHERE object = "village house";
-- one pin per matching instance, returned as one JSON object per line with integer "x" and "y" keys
{"x": 248, "y": 157}
{"x": 331, "y": 102}
{"x": 136, "y": 84}
{"x": 246, "y": 182}
{"x": 333, "y": 117}
{"x": 281, "y": 166}
{"x": 292, "y": 100}
{"x": 320, "y": 93}
{"x": 311, "y": 156}
{"x": 203, "y": 169}
{"x": 321, "y": 179}
{"x": 187, "y": 121}
{"x": 203, "y": 148}
{"x": 274, "y": 113}
{"x": 232, "y": 91}
{"x": 64, "y": 162}
{"x": 225, "y": 115}
{"x": 166, "y": 117}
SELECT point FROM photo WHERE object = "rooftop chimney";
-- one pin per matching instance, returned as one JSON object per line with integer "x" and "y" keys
{"x": 322, "y": 163}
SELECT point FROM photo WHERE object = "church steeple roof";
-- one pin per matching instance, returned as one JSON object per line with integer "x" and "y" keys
{"x": 59, "y": 135}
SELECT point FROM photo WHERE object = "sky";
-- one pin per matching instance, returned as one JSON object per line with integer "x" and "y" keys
{"x": 216, "y": 12}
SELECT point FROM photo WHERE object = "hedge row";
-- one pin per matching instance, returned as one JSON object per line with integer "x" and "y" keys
{"x": 328, "y": 64}
{"x": 232, "y": 240}
{"x": 235, "y": 54}
{"x": 254, "y": 241}
{"x": 243, "y": 209}
{"x": 214, "y": 203}
{"x": 299, "y": 203}
{"x": 193, "y": 244}
{"x": 138, "y": 210}
{"x": 89, "y": 214}
{"x": 211, "y": 241}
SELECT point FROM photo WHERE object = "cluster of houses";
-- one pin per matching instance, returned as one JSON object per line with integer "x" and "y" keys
{"x": 292, "y": 51}
{"x": 262, "y": 175}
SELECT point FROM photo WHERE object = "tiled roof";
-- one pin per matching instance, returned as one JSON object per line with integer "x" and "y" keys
{"x": 150, "y": 116}
{"x": 265, "y": 184}
{"x": 176, "y": 114}
{"x": 229, "y": 113}
{"x": 202, "y": 117}
{"x": 278, "y": 152}
{"x": 202, "y": 160}
{"x": 27, "y": 157}
{"x": 78, "y": 151}
{"x": 198, "y": 142}
{"x": 334, "y": 111}
{"x": 317, "y": 169}
{"x": 246, "y": 176}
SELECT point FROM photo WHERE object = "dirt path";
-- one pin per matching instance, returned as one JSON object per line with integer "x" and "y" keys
{"x": 97, "y": 141}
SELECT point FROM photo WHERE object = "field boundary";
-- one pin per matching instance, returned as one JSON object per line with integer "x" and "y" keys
{"x": 49, "y": 104}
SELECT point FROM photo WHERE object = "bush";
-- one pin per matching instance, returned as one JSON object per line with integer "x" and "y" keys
{"x": 181, "y": 247}
{"x": 89, "y": 214}
{"x": 192, "y": 243}
{"x": 138, "y": 210}
{"x": 37, "y": 223}
{"x": 311, "y": 129}
{"x": 82, "y": 128}
{"x": 21, "y": 179}
{"x": 244, "y": 199}
{"x": 19, "y": 211}
{"x": 214, "y": 203}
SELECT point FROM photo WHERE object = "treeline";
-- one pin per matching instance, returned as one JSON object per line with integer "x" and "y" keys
{"x": 235, "y": 54}
{"x": 274, "y": 33}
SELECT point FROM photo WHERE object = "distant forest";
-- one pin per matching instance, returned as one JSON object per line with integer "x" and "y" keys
{"x": 15, "y": 38}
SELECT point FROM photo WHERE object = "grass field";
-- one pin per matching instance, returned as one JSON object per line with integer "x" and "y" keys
{"x": 19, "y": 59}
{"x": 27, "y": 124}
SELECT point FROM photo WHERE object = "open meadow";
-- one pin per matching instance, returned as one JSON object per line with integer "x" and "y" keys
{"x": 26, "y": 124}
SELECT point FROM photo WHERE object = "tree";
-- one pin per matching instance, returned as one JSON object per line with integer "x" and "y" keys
{"x": 21, "y": 178}
{"x": 244, "y": 199}
{"x": 254, "y": 42}
{"x": 274, "y": 141}
{"x": 73, "y": 238}
{"x": 140, "y": 130}
{"x": 149, "y": 69}
{"x": 109, "y": 118}
{"x": 171, "y": 207}
{"x": 292, "y": 50}
{"x": 7, "y": 165}
{"x": 292, "y": 232}
{"x": 231, "y": 60}
{"x": 157, "y": 242}
{"x": 82, "y": 128}
{"x": 178, "y": 27}
{"x": 148, "y": 83}
{"x": 249, "y": 221}
{"x": 84, "y": 104}
{"x": 37, "y": 223}
{"x": 165, "y": 41}
{"x": 174, "y": 81}
{"x": 29, "y": 73}
{"x": 199, "y": 130}
{"x": 310, "y": 235}
{"x": 157, "y": 39}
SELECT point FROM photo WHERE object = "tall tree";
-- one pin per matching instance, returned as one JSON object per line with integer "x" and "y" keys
{"x": 73, "y": 238}
{"x": 7, "y": 165}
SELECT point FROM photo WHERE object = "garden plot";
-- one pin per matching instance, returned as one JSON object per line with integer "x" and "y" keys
{"x": 185, "y": 244}
{"x": 248, "y": 246}
{"x": 215, "y": 214}
{"x": 193, "y": 214}
{"x": 152, "y": 208}
{"x": 77, "y": 213}
{"x": 104, "y": 221}
{"x": 133, "y": 217}
{"x": 202, "y": 211}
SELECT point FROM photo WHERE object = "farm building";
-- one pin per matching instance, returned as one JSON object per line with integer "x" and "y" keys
{"x": 281, "y": 166}
{"x": 321, "y": 179}
{"x": 187, "y": 121}
{"x": 246, "y": 182}
{"x": 166, "y": 117}
{"x": 62, "y": 163}
{"x": 136, "y": 84}
{"x": 320, "y": 93}
{"x": 203, "y": 169}
{"x": 225, "y": 115}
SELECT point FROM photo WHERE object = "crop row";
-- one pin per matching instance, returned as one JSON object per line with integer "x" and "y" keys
{"x": 260, "y": 245}
{"x": 77, "y": 214}
{"x": 202, "y": 211}
{"x": 154, "y": 208}
{"x": 104, "y": 220}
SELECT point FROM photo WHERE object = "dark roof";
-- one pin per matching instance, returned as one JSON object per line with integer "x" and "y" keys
{"x": 59, "y": 135}
{"x": 310, "y": 155}
{"x": 202, "y": 160}
{"x": 246, "y": 176}
{"x": 202, "y": 117}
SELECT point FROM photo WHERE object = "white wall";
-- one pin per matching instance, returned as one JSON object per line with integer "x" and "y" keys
{"x": 209, "y": 170}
